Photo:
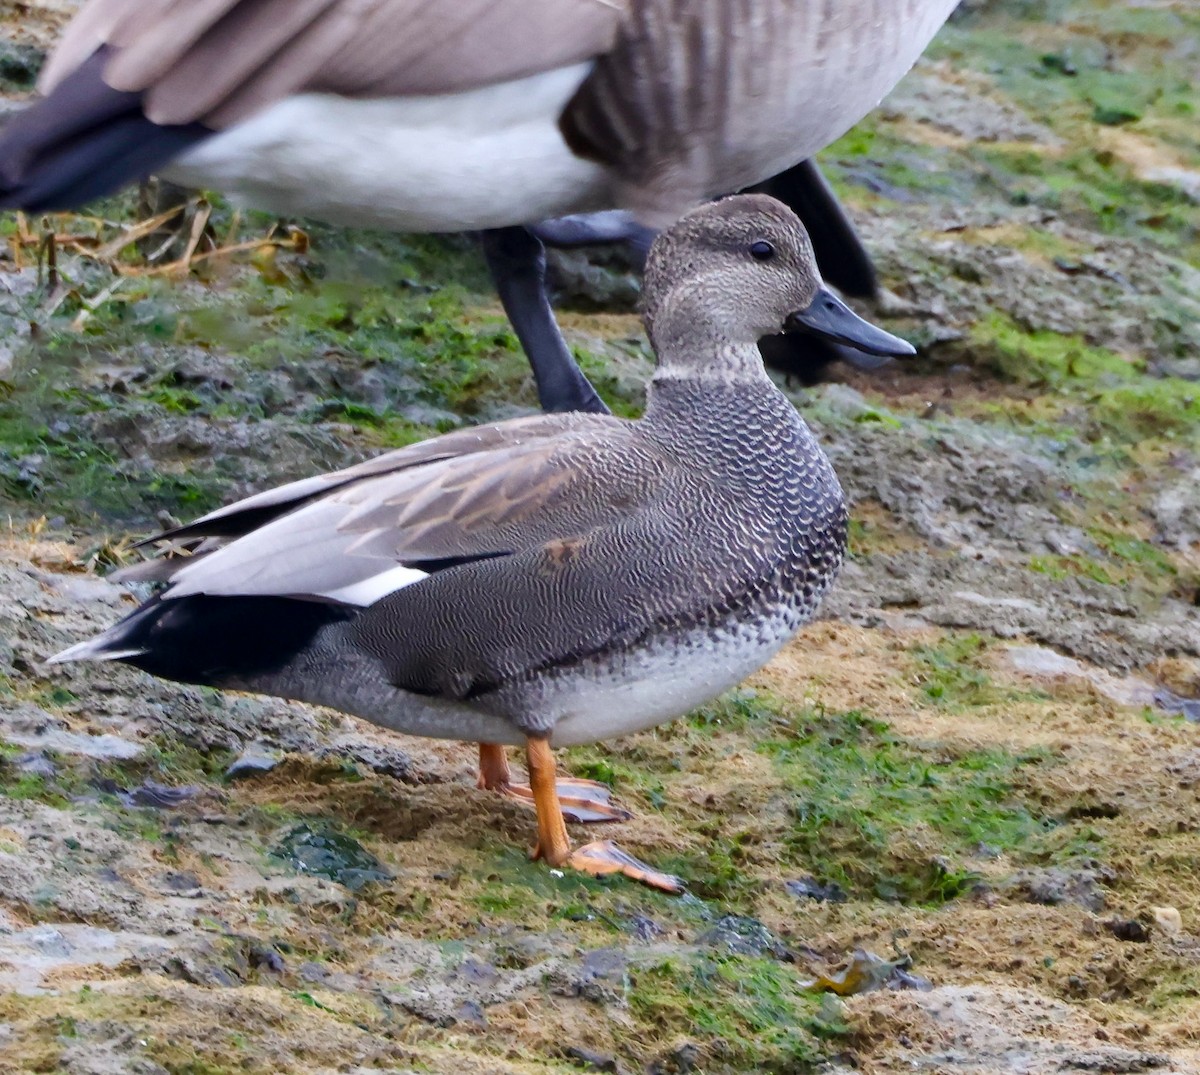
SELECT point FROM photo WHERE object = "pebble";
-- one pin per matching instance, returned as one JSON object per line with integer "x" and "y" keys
{"x": 1168, "y": 919}
{"x": 253, "y": 761}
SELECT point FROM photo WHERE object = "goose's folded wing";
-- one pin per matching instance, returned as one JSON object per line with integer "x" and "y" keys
{"x": 217, "y": 61}
{"x": 367, "y": 535}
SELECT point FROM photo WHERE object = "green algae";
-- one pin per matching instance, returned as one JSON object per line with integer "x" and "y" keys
{"x": 858, "y": 795}
{"x": 330, "y": 854}
{"x": 951, "y": 673}
{"x": 750, "y": 1012}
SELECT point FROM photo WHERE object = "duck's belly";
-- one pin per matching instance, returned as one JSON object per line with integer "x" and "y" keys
{"x": 485, "y": 158}
{"x": 602, "y": 698}
{"x": 633, "y": 691}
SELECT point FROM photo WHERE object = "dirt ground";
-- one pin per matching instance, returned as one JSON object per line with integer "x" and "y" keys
{"x": 973, "y": 786}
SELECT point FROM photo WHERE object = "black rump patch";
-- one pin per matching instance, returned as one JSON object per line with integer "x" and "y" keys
{"x": 212, "y": 640}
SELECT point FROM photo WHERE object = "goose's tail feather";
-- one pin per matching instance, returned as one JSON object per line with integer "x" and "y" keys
{"x": 83, "y": 141}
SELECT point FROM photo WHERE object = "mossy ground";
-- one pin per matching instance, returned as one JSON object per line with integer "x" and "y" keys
{"x": 894, "y": 756}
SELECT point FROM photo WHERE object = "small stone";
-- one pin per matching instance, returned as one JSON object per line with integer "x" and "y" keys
{"x": 844, "y": 400}
{"x": 35, "y": 763}
{"x": 471, "y": 1012}
{"x": 387, "y": 761}
{"x": 160, "y": 796}
{"x": 1170, "y": 702}
{"x": 1168, "y": 919}
{"x": 264, "y": 957}
{"x": 642, "y": 927}
{"x": 1128, "y": 929}
{"x": 821, "y": 891}
{"x": 478, "y": 975}
{"x": 741, "y": 935}
{"x": 49, "y": 942}
{"x": 1053, "y": 886}
{"x": 253, "y": 761}
{"x": 329, "y": 854}
{"x": 19, "y": 65}
{"x": 686, "y": 1057}
{"x": 591, "y": 1060}
{"x": 181, "y": 882}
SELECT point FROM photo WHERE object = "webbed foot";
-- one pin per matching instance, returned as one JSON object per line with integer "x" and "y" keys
{"x": 603, "y": 857}
{"x": 586, "y": 801}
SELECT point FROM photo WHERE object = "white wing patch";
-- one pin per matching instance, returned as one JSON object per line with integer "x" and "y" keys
{"x": 368, "y": 591}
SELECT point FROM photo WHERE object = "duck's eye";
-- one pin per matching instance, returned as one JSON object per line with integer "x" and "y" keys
{"x": 762, "y": 250}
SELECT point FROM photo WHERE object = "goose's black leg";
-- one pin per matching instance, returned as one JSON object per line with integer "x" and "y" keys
{"x": 841, "y": 256}
{"x": 591, "y": 229}
{"x": 517, "y": 261}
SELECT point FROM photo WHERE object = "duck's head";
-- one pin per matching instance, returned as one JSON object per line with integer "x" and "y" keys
{"x": 736, "y": 270}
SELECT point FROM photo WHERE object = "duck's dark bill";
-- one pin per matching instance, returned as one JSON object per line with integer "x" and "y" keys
{"x": 827, "y": 316}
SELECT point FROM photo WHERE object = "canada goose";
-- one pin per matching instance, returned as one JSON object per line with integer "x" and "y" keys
{"x": 549, "y": 580}
{"x": 451, "y": 115}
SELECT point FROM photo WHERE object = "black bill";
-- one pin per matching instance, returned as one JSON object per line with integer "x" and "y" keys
{"x": 831, "y": 319}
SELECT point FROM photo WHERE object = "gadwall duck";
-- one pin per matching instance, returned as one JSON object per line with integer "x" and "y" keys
{"x": 550, "y": 580}
{"x": 451, "y": 115}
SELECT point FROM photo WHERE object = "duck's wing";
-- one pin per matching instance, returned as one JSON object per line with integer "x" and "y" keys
{"x": 476, "y": 572}
{"x": 356, "y": 535}
{"x": 217, "y": 61}
{"x": 668, "y": 568}
{"x": 243, "y": 516}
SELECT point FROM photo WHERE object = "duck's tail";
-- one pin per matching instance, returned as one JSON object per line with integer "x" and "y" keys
{"x": 214, "y": 641}
{"x": 83, "y": 141}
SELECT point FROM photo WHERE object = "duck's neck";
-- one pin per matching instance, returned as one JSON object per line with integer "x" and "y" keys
{"x": 702, "y": 358}
{"x": 688, "y": 396}
{"x": 703, "y": 330}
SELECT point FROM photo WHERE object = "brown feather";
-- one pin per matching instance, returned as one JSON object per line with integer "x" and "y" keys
{"x": 239, "y": 518}
{"x": 149, "y": 48}
{"x": 482, "y": 504}
{"x": 219, "y": 61}
{"x": 94, "y": 26}
{"x": 679, "y": 107}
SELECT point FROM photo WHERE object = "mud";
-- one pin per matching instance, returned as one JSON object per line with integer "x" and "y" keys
{"x": 978, "y": 766}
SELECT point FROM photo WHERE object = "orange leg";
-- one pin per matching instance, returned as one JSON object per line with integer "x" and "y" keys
{"x": 580, "y": 800}
{"x": 598, "y": 858}
{"x": 494, "y": 773}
